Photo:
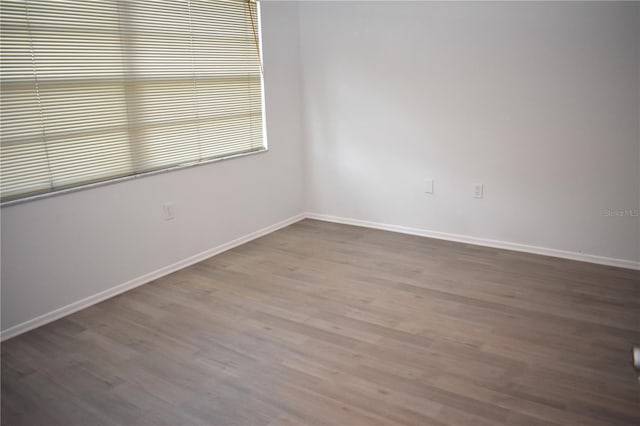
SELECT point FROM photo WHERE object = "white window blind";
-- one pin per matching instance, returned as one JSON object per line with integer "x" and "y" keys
{"x": 95, "y": 90}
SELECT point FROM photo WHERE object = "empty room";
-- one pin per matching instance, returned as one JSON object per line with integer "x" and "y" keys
{"x": 345, "y": 213}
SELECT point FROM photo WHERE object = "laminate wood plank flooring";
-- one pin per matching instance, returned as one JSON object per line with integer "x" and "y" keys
{"x": 327, "y": 324}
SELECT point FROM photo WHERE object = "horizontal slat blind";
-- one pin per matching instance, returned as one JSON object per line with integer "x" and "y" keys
{"x": 102, "y": 89}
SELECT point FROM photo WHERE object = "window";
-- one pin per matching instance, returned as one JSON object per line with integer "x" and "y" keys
{"x": 96, "y": 90}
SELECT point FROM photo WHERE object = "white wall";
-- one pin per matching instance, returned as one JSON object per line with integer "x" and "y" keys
{"x": 62, "y": 249}
{"x": 537, "y": 101}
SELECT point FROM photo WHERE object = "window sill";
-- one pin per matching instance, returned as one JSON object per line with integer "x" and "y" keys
{"x": 126, "y": 178}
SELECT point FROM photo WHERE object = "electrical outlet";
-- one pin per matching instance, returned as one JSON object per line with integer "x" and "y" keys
{"x": 168, "y": 212}
{"x": 428, "y": 186}
{"x": 478, "y": 190}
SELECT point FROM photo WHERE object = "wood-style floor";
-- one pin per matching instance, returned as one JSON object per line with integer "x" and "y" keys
{"x": 321, "y": 323}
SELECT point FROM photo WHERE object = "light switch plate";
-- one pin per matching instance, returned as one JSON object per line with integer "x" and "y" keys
{"x": 428, "y": 186}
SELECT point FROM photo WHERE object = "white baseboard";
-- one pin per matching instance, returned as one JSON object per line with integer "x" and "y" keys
{"x": 136, "y": 282}
{"x": 601, "y": 260}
